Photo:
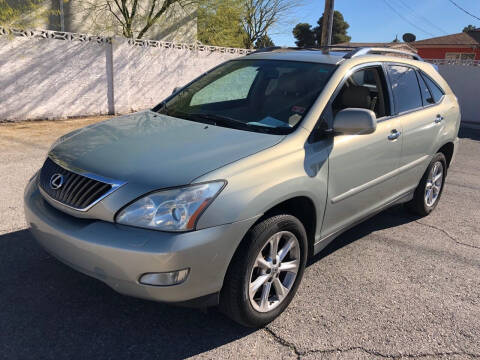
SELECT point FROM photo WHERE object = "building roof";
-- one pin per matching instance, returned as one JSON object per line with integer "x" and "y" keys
{"x": 463, "y": 38}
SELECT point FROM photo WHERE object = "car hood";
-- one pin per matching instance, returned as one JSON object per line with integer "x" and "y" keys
{"x": 156, "y": 150}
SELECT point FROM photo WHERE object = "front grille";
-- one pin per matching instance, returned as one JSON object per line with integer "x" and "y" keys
{"x": 77, "y": 191}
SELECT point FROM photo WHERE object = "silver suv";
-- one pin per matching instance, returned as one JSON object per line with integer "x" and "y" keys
{"x": 218, "y": 195}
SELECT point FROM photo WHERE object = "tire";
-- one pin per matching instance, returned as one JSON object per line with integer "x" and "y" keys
{"x": 421, "y": 204}
{"x": 247, "y": 307}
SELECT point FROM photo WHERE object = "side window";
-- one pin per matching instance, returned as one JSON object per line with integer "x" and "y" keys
{"x": 233, "y": 86}
{"x": 426, "y": 95}
{"x": 366, "y": 89}
{"x": 437, "y": 93}
{"x": 406, "y": 91}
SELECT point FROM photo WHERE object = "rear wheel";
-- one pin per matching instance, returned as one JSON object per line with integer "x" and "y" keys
{"x": 265, "y": 272}
{"x": 428, "y": 192}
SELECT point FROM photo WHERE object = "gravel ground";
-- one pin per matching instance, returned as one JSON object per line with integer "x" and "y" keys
{"x": 396, "y": 286}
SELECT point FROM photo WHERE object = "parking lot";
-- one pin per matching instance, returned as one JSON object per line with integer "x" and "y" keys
{"x": 396, "y": 286}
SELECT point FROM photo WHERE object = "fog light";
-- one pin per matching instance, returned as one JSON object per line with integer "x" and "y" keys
{"x": 165, "y": 278}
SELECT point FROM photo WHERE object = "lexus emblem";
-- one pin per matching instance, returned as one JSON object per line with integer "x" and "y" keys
{"x": 56, "y": 181}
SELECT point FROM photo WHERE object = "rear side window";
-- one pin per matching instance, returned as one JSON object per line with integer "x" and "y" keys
{"x": 406, "y": 91}
{"x": 426, "y": 95}
{"x": 435, "y": 90}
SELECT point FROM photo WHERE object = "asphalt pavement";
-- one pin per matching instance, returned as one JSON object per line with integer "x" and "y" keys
{"x": 395, "y": 287}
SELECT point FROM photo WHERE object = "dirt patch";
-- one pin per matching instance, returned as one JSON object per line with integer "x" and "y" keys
{"x": 25, "y": 133}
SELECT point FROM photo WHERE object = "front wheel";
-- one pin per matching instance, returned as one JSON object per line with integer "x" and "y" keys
{"x": 265, "y": 272}
{"x": 430, "y": 188}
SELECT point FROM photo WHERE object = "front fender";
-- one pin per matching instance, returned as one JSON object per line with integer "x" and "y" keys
{"x": 258, "y": 183}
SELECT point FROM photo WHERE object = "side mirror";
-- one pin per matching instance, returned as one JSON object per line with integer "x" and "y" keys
{"x": 355, "y": 120}
{"x": 175, "y": 89}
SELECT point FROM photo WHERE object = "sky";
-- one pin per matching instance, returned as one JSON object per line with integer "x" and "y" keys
{"x": 376, "y": 21}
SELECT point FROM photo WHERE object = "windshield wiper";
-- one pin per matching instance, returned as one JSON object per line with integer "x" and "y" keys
{"x": 218, "y": 118}
{"x": 161, "y": 108}
{"x": 221, "y": 120}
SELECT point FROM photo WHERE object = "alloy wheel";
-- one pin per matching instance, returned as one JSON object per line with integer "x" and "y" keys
{"x": 274, "y": 271}
{"x": 434, "y": 184}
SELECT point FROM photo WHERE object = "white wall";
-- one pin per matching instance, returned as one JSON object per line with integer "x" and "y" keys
{"x": 47, "y": 78}
{"x": 43, "y": 76}
{"x": 465, "y": 83}
{"x": 144, "y": 76}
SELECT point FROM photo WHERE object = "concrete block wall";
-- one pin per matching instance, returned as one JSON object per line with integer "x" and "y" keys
{"x": 145, "y": 75}
{"x": 465, "y": 83}
{"x": 48, "y": 78}
{"x": 46, "y": 74}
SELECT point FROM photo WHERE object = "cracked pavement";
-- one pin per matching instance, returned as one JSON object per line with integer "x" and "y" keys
{"x": 394, "y": 287}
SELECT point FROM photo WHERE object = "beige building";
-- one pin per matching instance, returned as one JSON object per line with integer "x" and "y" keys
{"x": 178, "y": 24}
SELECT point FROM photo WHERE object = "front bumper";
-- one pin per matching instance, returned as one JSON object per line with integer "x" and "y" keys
{"x": 118, "y": 255}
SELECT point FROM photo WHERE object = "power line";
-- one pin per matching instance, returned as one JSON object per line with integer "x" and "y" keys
{"x": 465, "y": 11}
{"x": 423, "y": 18}
{"x": 406, "y": 20}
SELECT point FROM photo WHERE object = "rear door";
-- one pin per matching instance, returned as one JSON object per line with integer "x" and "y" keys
{"x": 421, "y": 115}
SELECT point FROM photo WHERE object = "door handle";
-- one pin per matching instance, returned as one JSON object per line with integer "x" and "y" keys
{"x": 438, "y": 119}
{"x": 394, "y": 135}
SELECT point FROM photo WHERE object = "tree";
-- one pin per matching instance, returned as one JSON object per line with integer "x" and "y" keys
{"x": 264, "y": 42}
{"x": 131, "y": 18}
{"x": 261, "y": 15}
{"x": 308, "y": 37}
{"x": 219, "y": 23}
{"x": 409, "y": 37}
{"x": 25, "y": 13}
{"x": 304, "y": 34}
{"x": 469, "y": 28}
{"x": 339, "y": 31}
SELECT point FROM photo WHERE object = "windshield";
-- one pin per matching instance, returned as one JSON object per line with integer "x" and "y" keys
{"x": 269, "y": 96}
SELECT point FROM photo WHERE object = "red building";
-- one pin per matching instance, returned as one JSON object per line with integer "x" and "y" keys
{"x": 461, "y": 46}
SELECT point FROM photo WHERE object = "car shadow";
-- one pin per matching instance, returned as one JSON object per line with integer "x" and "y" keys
{"x": 469, "y": 133}
{"x": 48, "y": 310}
{"x": 395, "y": 216}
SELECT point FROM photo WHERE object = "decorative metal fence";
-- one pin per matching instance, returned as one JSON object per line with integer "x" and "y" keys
{"x": 62, "y": 35}
{"x": 454, "y": 62}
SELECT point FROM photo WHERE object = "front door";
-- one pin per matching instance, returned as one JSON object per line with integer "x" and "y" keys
{"x": 362, "y": 167}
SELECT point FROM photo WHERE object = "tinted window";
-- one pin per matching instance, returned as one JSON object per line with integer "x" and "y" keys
{"x": 405, "y": 88}
{"x": 426, "y": 95}
{"x": 437, "y": 93}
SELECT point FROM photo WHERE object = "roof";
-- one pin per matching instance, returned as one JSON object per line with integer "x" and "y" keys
{"x": 463, "y": 38}
{"x": 300, "y": 55}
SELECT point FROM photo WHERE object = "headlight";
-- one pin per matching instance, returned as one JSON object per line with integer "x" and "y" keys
{"x": 171, "y": 210}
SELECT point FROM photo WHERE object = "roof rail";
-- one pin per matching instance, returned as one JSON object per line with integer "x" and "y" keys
{"x": 372, "y": 50}
{"x": 352, "y": 51}
{"x": 281, "y": 49}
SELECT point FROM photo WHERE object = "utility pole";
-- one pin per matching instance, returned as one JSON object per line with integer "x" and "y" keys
{"x": 327, "y": 25}
{"x": 62, "y": 16}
